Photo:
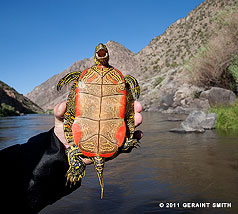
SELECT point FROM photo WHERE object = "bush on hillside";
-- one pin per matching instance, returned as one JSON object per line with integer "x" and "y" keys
{"x": 6, "y": 110}
{"x": 233, "y": 69}
{"x": 215, "y": 64}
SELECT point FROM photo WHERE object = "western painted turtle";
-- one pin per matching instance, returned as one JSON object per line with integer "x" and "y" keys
{"x": 99, "y": 117}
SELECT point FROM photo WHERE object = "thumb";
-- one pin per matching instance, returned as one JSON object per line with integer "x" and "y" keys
{"x": 59, "y": 111}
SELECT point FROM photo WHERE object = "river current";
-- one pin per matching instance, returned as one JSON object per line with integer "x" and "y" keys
{"x": 169, "y": 173}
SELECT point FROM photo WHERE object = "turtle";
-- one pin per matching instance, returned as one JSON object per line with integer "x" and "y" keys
{"x": 99, "y": 119}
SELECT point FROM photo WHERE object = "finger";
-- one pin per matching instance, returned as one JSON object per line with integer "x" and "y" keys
{"x": 59, "y": 111}
{"x": 138, "y": 107}
{"x": 138, "y": 119}
{"x": 138, "y": 134}
{"x": 86, "y": 161}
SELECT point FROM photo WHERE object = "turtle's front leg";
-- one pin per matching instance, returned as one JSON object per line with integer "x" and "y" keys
{"x": 133, "y": 92}
{"x": 130, "y": 141}
{"x": 76, "y": 166}
{"x": 129, "y": 144}
{"x": 69, "y": 115}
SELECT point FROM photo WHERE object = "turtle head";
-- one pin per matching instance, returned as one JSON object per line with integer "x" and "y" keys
{"x": 101, "y": 56}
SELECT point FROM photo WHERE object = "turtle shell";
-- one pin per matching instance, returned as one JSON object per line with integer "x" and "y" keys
{"x": 100, "y": 102}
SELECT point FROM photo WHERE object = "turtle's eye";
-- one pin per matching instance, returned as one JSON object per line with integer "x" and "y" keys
{"x": 102, "y": 53}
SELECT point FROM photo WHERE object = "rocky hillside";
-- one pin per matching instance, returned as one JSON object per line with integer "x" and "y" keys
{"x": 162, "y": 61}
{"x": 13, "y": 103}
{"x": 159, "y": 66}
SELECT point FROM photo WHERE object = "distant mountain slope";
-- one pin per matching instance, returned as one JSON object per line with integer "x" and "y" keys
{"x": 46, "y": 94}
{"x": 182, "y": 39}
{"x": 11, "y": 102}
{"x": 159, "y": 66}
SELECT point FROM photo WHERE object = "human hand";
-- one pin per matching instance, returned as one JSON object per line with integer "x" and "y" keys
{"x": 138, "y": 119}
{"x": 60, "y": 109}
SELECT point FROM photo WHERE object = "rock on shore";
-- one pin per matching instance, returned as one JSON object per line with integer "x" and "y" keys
{"x": 197, "y": 121}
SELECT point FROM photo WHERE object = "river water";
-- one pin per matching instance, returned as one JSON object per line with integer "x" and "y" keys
{"x": 168, "y": 168}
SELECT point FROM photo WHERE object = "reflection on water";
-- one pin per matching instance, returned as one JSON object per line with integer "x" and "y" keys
{"x": 168, "y": 167}
{"x": 18, "y": 129}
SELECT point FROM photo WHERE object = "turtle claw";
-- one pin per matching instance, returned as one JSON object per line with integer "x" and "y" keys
{"x": 76, "y": 166}
{"x": 74, "y": 175}
{"x": 129, "y": 144}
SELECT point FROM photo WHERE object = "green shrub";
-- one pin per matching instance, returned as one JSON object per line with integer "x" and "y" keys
{"x": 156, "y": 61}
{"x": 157, "y": 81}
{"x": 233, "y": 69}
{"x": 156, "y": 67}
{"x": 7, "y": 110}
{"x": 210, "y": 67}
{"x": 174, "y": 65}
{"x": 49, "y": 111}
{"x": 227, "y": 117}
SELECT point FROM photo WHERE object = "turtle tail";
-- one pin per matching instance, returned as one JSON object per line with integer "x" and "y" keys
{"x": 99, "y": 165}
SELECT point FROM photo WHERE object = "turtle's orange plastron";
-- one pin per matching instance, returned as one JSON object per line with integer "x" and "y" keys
{"x": 99, "y": 115}
{"x": 123, "y": 107}
{"x": 76, "y": 133}
{"x": 120, "y": 135}
{"x": 102, "y": 103}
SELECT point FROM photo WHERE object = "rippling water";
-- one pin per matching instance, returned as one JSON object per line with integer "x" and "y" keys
{"x": 168, "y": 167}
